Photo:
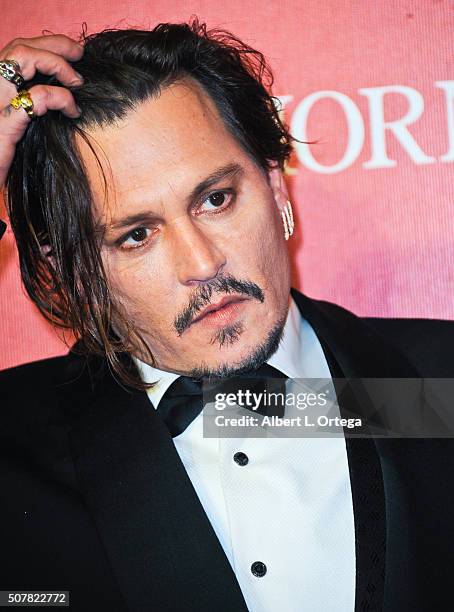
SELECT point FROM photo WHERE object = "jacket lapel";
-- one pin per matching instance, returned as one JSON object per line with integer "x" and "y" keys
{"x": 160, "y": 543}
{"x": 351, "y": 353}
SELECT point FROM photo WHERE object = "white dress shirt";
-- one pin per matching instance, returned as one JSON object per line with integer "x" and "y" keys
{"x": 289, "y": 507}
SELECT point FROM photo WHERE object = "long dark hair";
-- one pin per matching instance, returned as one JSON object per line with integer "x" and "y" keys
{"x": 48, "y": 194}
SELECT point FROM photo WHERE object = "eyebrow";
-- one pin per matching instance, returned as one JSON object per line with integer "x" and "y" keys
{"x": 229, "y": 171}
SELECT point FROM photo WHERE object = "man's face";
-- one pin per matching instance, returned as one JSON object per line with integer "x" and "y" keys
{"x": 191, "y": 224}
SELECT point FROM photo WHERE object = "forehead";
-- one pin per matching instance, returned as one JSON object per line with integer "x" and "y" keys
{"x": 164, "y": 146}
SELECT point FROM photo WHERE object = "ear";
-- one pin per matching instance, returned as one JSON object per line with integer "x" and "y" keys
{"x": 278, "y": 187}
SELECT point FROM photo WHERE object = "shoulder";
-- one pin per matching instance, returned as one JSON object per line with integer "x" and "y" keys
{"x": 32, "y": 385}
{"x": 409, "y": 334}
{"x": 42, "y": 372}
{"x": 33, "y": 394}
{"x": 41, "y": 401}
{"x": 424, "y": 343}
{"x": 427, "y": 342}
{"x": 40, "y": 379}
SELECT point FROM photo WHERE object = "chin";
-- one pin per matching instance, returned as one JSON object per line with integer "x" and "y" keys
{"x": 232, "y": 359}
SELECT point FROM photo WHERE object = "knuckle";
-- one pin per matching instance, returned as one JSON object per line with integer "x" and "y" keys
{"x": 51, "y": 95}
{"x": 68, "y": 98}
{"x": 47, "y": 94}
{"x": 52, "y": 63}
{"x": 15, "y": 42}
{"x": 40, "y": 92}
{"x": 61, "y": 37}
{"x": 60, "y": 65}
{"x": 37, "y": 89}
{"x": 18, "y": 49}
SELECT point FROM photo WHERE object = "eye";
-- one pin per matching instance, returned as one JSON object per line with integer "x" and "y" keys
{"x": 137, "y": 238}
{"x": 216, "y": 200}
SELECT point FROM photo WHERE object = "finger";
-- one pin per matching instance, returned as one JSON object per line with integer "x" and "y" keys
{"x": 32, "y": 60}
{"x": 13, "y": 122}
{"x": 50, "y": 97}
{"x": 56, "y": 43}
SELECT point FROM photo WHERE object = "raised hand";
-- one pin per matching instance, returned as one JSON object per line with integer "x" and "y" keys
{"x": 19, "y": 62}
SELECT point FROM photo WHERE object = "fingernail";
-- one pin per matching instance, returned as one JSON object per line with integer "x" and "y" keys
{"x": 80, "y": 77}
{"x": 79, "y": 110}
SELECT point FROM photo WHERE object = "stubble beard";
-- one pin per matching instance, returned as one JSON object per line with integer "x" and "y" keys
{"x": 231, "y": 334}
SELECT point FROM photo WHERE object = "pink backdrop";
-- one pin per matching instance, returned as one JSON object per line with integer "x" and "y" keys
{"x": 373, "y": 84}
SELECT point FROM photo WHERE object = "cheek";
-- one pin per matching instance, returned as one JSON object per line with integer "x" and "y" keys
{"x": 268, "y": 245}
{"x": 135, "y": 286}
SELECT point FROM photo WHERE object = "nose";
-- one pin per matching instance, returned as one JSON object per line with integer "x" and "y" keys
{"x": 195, "y": 255}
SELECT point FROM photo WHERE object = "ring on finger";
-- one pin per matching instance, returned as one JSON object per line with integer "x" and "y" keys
{"x": 24, "y": 100}
{"x": 10, "y": 70}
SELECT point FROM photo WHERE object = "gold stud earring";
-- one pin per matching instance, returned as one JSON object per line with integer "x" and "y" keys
{"x": 287, "y": 220}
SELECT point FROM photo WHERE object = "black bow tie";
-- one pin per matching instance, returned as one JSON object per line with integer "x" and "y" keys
{"x": 183, "y": 400}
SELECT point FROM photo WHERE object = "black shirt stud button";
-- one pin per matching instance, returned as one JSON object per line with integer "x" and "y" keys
{"x": 241, "y": 458}
{"x": 258, "y": 569}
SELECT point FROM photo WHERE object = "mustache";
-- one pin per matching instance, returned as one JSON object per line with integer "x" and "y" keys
{"x": 203, "y": 294}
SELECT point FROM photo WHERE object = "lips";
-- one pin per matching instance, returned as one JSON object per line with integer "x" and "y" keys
{"x": 212, "y": 308}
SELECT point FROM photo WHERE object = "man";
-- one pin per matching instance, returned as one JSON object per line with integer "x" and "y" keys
{"x": 151, "y": 217}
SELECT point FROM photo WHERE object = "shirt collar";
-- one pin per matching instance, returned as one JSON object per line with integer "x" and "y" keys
{"x": 299, "y": 355}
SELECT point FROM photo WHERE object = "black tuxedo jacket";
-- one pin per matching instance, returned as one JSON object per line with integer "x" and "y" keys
{"x": 95, "y": 499}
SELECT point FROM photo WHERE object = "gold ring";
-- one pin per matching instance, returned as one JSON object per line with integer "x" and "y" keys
{"x": 24, "y": 100}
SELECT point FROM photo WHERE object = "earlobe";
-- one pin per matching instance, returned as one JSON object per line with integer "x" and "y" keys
{"x": 278, "y": 186}
{"x": 281, "y": 197}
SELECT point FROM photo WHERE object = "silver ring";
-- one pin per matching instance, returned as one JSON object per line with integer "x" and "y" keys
{"x": 10, "y": 70}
